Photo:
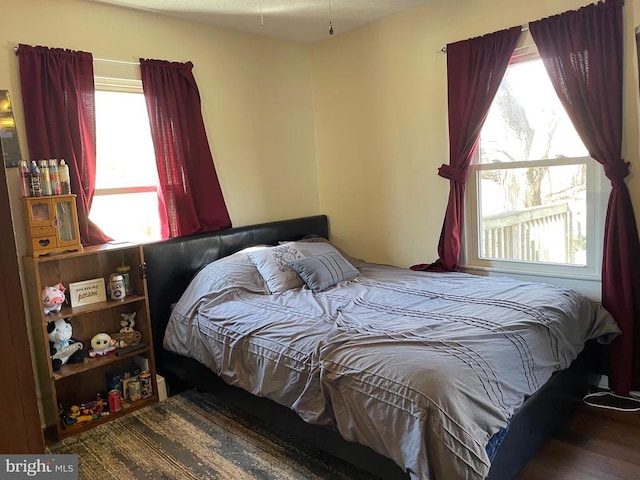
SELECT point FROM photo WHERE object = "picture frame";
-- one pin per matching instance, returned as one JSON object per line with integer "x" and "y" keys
{"x": 8, "y": 134}
{"x": 87, "y": 292}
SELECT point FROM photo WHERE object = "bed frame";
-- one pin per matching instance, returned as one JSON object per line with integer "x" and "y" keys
{"x": 170, "y": 266}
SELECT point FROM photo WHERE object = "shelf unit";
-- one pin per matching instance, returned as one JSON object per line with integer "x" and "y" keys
{"x": 78, "y": 383}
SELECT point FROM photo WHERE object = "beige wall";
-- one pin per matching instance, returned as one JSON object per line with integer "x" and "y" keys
{"x": 256, "y": 94}
{"x": 381, "y": 121}
{"x": 369, "y": 105}
{"x": 354, "y": 126}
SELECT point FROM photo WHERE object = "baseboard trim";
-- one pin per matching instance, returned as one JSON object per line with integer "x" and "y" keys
{"x": 603, "y": 384}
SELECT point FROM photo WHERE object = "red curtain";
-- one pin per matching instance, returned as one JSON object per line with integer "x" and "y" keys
{"x": 58, "y": 95}
{"x": 582, "y": 52}
{"x": 475, "y": 68}
{"x": 190, "y": 195}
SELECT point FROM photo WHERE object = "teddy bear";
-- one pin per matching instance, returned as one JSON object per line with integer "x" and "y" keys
{"x": 63, "y": 347}
{"x": 53, "y": 298}
{"x": 128, "y": 322}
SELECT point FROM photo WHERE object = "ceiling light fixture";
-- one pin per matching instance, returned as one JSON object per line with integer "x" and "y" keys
{"x": 330, "y": 26}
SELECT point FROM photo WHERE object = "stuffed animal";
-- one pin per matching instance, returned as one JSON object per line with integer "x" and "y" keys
{"x": 63, "y": 347}
{"x": 101, "y": 344}
{"x": 128, "y": 322}
{"x": 53, "y": 298}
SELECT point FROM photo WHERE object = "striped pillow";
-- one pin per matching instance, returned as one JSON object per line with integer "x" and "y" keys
{"x": 324, "y": 271}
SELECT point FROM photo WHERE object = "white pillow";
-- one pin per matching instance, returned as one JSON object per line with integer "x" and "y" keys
{"x": 273, "y": 265}
{"x": 236, "y": 270}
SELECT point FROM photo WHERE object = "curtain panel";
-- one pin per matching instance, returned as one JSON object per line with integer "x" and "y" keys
{"x": 190, "y": 196}
{"x": 58, "y": 95}
{"x": 582, "y": 51}
{"x": 475, "y": 68}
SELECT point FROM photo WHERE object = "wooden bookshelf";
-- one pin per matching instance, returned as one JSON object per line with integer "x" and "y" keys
{"x": 79, "y": 383}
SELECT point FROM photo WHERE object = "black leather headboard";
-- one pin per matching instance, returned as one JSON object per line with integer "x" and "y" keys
{"x": 171, "y": 264}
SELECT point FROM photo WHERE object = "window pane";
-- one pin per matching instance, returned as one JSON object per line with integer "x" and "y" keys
{"x": 128, "y": 217}
{"x": 125, "y": 159}
{"x": 123, "y": 141}
{"x": 527, "y": 121}
{"x": 534, "y": 214}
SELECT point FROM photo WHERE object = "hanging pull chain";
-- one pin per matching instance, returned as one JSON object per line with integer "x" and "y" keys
{"x": 330, "y": 17}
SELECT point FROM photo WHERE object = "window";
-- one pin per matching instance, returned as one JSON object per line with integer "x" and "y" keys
{"x": 535, "y": 200}
{"x": 125, "y": 204}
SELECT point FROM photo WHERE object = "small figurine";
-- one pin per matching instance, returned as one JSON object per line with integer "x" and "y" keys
{"x": 78, "y": 415}
{"x": 101, "y": 344}
{"x": 53, "y": 298}
{"x": 98, "y": 406}
{"x": 127, "y": 336}
{"x": 128, "y": 322}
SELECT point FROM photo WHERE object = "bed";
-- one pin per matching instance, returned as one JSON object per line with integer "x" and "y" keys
{"x": 406, "y": 374}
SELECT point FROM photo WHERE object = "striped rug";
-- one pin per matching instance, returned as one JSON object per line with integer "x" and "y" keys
{"x": 191, "y": 436}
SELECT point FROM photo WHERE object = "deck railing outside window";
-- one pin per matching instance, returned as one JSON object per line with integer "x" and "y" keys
{"x": 540, "y": 234}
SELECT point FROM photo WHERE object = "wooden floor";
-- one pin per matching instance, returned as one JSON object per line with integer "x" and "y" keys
{"x": 596, "y": 444}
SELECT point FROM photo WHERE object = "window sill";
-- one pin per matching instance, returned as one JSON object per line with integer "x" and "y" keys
{"x": 589, "y": 285}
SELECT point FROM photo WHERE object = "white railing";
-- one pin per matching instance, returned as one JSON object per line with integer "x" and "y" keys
{"x": 541, "y": 234}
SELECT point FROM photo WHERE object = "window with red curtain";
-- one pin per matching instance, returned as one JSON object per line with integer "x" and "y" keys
{"x": 536, "y": 200}
{"x": 190, "y": 195}
{"x": 58, "y": 98}
{"x": 582, "y": 51}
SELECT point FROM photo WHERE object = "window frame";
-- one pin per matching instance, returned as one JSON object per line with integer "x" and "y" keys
{"x": 586, "y": 278}
{"x": 124, "y": 85}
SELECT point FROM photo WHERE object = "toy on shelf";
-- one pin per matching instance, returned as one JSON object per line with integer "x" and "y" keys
{"x": 98, "y": 406}
{"x": 127, "y": 336}
{"x": 63, "y": 347}
{"x": 128, "y": 322}
{"x": 126, "y": 339}
{"x": 85, "y": 412}
{"x": 101, "y": 344}
{"x": 80, "y": 414}
{"x": 53, "y": 298}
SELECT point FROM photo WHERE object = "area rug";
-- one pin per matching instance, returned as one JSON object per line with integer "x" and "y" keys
{"x": 194, "y": 436}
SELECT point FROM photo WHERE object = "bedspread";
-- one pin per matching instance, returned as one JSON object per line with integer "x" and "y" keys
{"x": 422, "y": 367}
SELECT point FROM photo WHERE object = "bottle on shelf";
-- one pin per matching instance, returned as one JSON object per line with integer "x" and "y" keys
{"x": 25, "y": 177}
{"x": 54, "y": 175}
{"x": 45, "y": 179}
{"x": 35, "y": 190}
{"x": 65, "y": 180}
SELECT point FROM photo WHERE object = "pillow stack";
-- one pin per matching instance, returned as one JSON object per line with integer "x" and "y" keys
{"x": 319, "y": 265}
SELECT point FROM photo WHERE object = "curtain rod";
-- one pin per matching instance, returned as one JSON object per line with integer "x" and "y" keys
{"x": 524, "y": 28}
{"x": 15, "y": 49}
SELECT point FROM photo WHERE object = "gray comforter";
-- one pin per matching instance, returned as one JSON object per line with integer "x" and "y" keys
{"x": 423, "y": 368}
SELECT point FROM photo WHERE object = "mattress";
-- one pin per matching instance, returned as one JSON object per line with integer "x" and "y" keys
{"x": 424, "y": 368}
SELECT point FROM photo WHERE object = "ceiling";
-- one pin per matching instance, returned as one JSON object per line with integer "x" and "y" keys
{"x": 298, "y": 20}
